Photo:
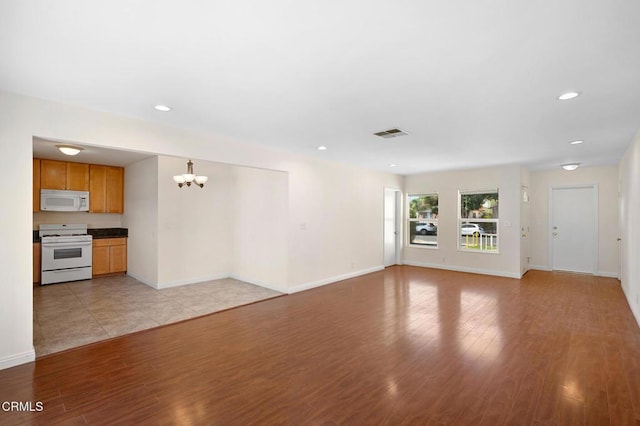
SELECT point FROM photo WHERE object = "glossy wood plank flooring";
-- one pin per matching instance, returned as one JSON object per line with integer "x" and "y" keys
{"x": 406, "y": 345}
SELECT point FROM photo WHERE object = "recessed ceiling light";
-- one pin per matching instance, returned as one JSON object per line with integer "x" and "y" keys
{"x": 69, "y": 150}
{"x": 568, "y": 95}
{"x": 570, "y": 166}
{"x": 163, "y": 108}
{"x": 576, "y": 142}
{"x": 322, "y": 148}
{"x": 392, "y": 165}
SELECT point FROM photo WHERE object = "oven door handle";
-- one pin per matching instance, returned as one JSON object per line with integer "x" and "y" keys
{"x": 76, "y": 244}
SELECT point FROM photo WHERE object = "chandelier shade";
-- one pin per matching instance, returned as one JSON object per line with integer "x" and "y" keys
{"x": 190, "y": 177}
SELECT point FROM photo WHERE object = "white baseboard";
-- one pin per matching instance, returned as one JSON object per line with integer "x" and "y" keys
{"x": 17, "y": 359}
{"x": 179, "y": 283}
{"x": 599, "y": 274}
{"x": 633, "y": 306}
{"x": 540, "y": 268}
{"x": 258, "y": 283}
{"x": 464, "y": 269}
{"x": 608, "y": 274}
{"x": 330, "y": 280}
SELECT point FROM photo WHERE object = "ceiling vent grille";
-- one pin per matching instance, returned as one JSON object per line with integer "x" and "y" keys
{"x": 391, "y": 133}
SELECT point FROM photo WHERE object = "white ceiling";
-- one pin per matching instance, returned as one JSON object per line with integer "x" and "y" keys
{"x": 474, "y": 83}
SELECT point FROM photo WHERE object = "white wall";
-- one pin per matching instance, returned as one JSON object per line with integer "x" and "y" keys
{"x": 16, "y": 263}
{"x": 141, "y": 219}
{"x": 607, "y": 180}
{"x": 194, "y": 224}
{"x": 259, "y": 218}
{"x": 446, "y": 185}
{"x": 335, "y": 222}
{"x": 630, "y": 225}
{"x": 341, "y": 205}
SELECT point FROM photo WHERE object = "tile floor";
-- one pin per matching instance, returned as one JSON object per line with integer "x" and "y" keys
{"x": 67, "y": 315}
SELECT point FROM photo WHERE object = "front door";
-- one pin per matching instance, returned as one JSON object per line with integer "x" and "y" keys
{"x": 574, "y": 229}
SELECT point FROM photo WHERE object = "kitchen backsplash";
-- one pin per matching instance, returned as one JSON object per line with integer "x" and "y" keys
{"x": 92, "y": 220}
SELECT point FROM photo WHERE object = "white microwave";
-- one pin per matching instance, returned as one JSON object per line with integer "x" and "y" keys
{"x": 52, "y": 200}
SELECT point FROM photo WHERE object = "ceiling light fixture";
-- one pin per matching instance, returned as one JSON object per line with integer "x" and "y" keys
{"x": 570, "y": 166}
{"x": 190, "y": 177}
{"x": 322, "y": 148}
{"x": 392, "y": 165}
{"x": 568, "y": 95}
{"x": 163, "y": 108}
{"x": 576, "y": 142}
{"x": 69, "y": 150}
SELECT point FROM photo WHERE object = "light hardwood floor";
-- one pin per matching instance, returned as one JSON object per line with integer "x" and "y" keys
{"x": 406, "y": 345}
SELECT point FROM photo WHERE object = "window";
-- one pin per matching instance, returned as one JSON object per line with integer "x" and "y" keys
{"x": 478, "y": 221}
{"x": 423, "y": 220}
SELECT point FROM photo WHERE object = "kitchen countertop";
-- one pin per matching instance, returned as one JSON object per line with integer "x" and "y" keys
{"x": 97, "y": 233}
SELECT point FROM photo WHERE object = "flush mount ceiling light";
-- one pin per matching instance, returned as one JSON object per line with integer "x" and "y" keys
{"x": 69, "y": 150}
{"x": 568, "y": 95}
{"x": 393, "y": 165}
{"x": 576, "y": 142}
{"x": 570, "y": 166}
{"x": 163, "y": 108}
{"x": 322, "y": 148}
{"x": 190, "y": 177}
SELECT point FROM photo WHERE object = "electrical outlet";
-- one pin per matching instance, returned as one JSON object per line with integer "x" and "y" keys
{"x": 444, "y": 260}
{"x": 353, "y": 265}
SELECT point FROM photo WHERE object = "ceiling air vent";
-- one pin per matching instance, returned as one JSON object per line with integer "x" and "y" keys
{"x": 391, "y": 133}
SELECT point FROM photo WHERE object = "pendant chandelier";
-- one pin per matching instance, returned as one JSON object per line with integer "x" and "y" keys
{"x": 189, "y": 177}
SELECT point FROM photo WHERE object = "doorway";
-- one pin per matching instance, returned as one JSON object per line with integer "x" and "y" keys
{"x": 392, "y": 214}
{"x": 573, "y": 230}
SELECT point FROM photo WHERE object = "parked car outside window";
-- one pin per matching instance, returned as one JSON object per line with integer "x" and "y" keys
{"x": 471, "y": 229}
{"x": 426, "y": 228}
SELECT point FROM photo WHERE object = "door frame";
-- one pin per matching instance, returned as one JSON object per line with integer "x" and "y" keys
{"x": 596, "y": 245}
{"x": 398, "y": 224}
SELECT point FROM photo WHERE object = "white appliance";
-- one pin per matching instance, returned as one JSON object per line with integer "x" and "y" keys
{"x": 55, "y": 200}
{"x": 66, "y": 253}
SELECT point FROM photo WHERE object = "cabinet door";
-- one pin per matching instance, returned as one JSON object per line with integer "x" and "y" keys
{"x": 118, "y": 258}
{"x": 36, "y": 262}
{"x": 115, "y": 190}
{"x": 53, "y": 174}
{"x": 77, "y": 176}
{"x": 36, "y": 185}
{"x": 97, "y": 188}
{"x": 100, "y": 260}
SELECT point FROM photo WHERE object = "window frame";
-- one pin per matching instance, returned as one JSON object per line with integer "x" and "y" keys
{"x": 409, "y": 221}
{"x": 482, "y": 241}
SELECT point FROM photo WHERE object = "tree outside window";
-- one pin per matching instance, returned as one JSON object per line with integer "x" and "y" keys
{"x": 478, "y": 221}
{"x": 423, "y": 220}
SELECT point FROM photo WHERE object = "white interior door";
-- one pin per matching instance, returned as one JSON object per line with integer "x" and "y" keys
{"x": 574, "y": 229}
{"x": 391, "y": 226}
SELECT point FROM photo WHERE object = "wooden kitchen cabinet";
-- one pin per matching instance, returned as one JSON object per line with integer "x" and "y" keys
{"x": 109, "y": 256}
{"x": 53, "y": 174}
{"x": 36, "y": 185}
{"x": 77, "y": 177}
{"x": 64, "y": 175}
{"x": 106, "y": 189}
{"x": 36, "y": 262}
